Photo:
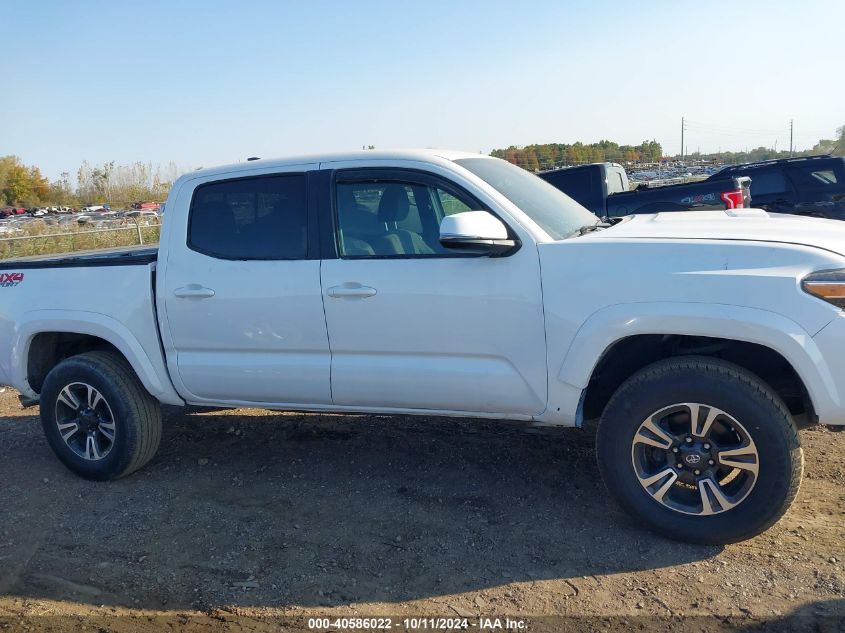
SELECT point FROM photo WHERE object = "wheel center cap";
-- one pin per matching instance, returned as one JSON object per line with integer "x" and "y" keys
{"x": 89, "y": 419}
{"x": 693, "y": 459}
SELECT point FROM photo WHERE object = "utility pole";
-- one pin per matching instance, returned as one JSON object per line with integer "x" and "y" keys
{"x": 683, "y": 127}
{"x": 791, "y": 121}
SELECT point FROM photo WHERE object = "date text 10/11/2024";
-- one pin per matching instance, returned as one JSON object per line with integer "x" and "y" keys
{"x": 417, "y": 624}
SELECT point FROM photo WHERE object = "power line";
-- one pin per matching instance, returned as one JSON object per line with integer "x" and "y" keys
{"x": 731, "y": 128}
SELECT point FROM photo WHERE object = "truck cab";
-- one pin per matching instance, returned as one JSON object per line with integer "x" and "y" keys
{"x": 590, "y": 185}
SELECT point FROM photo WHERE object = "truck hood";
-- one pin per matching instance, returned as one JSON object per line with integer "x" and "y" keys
{"x": 740, "y": 224}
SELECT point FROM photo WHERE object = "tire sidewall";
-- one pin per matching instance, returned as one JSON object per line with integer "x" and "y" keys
{"x": 80, "y": 369}
{"x": 764, "y": 418}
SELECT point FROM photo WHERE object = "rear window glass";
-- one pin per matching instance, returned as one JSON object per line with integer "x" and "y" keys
{"x": 250, "y": 218}
{"x": 578, "y": 184}
{"x": 814, "y": 178}
{"x": 766, "y": 182}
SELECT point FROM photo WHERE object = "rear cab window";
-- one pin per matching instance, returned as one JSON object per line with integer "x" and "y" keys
{"x": 580, "y": 184}
{"x": 769, "y": 181}
{"x": 263, "y": 217}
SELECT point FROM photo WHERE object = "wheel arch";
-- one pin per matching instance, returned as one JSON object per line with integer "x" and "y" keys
{"x": 627, "y": 356}
{"x": 643, "y": 332}
{"x": 43, "y": 340}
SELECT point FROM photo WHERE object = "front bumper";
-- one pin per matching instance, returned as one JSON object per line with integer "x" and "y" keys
{"x": 830, "y": 344}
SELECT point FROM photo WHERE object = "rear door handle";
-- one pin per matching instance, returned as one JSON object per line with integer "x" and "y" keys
{"x": 351, "y": 290}
{"x": 193, "y": 291}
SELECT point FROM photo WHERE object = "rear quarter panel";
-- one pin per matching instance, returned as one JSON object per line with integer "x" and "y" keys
{"x": 114, "y": 303}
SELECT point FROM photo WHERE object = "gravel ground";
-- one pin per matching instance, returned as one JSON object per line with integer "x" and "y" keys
{"x": 251, "y": 520}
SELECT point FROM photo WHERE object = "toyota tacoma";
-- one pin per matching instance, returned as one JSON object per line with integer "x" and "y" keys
{"x": 447, "y": 283}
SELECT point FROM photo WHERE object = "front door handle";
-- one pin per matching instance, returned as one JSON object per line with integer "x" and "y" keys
{"x": 193, "y": 291}
{"x": 351, "y": 290}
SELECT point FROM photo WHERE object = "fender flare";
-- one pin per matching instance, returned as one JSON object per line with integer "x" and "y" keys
{"x": 149, "y": 372}
{"x": 609, "y": 325}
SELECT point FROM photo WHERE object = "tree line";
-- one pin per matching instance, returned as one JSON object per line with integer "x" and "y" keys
{"x": 550, "y": 155}
{"x": 25, "y": 186}
{"x": 538, "y": 157}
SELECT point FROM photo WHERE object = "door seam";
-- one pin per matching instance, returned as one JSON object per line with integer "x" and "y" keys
{"x": 328, "y": 334}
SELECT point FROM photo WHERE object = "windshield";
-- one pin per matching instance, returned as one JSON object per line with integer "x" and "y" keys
{"x": 555, "y": 212}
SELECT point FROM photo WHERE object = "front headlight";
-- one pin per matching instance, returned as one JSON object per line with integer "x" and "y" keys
{"x": 828, "y": 285}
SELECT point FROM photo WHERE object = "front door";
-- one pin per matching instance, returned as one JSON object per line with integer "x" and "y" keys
{"x": 243, "y": 306}
{"x": 413, "y": 325}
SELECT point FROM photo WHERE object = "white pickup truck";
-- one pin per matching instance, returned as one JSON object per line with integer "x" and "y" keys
{"x": 455, "y": 284}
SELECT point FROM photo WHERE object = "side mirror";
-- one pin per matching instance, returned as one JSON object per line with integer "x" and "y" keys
{"x": 477, "y": 231}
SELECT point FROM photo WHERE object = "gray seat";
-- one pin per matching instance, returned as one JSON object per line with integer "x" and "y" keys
{"x": 359, "y": 227}
{"x": 394, "y": 207}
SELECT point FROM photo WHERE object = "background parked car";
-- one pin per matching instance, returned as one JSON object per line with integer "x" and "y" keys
{"x": 154, "y": 206}
{"x": 603, "y": 188}
{"x": 813, "y": 185}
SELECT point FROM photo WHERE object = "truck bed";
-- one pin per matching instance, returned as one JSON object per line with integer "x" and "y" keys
{"x": 106, "y": 294}
{"x": 690, "y": 196}
{"x": 131, "y": 256}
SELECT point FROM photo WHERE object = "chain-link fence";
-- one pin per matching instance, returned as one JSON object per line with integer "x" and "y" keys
{"x": 84, "y": 239}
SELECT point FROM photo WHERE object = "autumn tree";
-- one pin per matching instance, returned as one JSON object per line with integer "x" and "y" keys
{"x": 21, "y": 185}
{"x": 124, "y": 184}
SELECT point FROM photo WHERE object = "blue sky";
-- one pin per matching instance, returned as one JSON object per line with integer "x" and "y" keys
{"x": 205, "y": 82}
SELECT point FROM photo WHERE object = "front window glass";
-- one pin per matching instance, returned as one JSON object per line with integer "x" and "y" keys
{"x": 393, "y": 218}
{"x": 553, "y": 211}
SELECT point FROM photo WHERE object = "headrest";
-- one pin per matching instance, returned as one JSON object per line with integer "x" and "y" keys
{"x": 394, "y": 205}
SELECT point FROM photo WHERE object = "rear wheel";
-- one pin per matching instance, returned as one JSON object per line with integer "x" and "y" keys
{"x": 98, "y": 418}
{"x": 700, "y": 450}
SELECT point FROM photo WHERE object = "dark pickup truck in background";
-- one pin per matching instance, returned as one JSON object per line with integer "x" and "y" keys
{"x": 603, "y": 189}
{"x": 812, "y": 185}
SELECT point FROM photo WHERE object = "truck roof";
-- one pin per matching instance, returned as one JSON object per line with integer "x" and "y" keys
{"x": 425, "y": 155}
{"x": 776, "y": 161}
{"x": 605, "y": 163}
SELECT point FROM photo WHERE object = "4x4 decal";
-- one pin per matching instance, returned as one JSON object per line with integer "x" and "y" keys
{"x": 10, "y": 280}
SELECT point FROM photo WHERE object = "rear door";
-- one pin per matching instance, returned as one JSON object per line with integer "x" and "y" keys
{"x": 242, "y": 297}
{"x": 820, "y": 187}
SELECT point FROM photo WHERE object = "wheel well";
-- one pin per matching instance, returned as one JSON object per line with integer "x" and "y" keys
{"x": 48, "y": 349}
{"x": 629, "y": 355}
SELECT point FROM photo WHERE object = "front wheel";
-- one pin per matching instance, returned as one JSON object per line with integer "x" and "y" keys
{"x": 701, "y": 450}
{"x": 98, "y": 418}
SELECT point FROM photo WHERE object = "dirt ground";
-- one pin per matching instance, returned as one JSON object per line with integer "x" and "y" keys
{"x": 255, "y": 521}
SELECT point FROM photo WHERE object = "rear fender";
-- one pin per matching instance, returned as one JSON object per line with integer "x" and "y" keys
{"x": 149, "y": 367}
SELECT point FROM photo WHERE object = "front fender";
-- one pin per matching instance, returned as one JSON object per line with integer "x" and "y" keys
{"x": 614, "y": 323}
{"x": 148, "y": 366}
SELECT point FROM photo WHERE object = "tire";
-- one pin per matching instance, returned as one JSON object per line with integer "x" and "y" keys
{"x": 115, "y": 437}
{"x": 749, "y": 427}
